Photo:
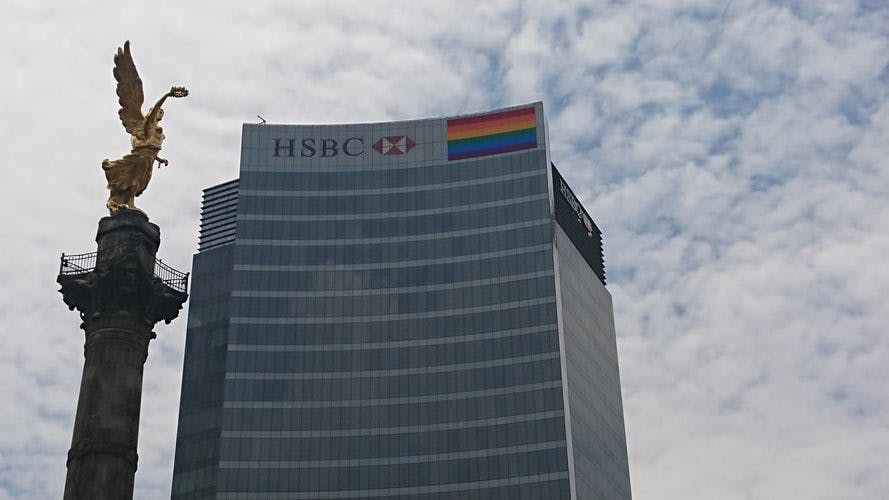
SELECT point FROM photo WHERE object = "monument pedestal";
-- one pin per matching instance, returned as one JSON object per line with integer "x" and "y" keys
{"x": 121, "y": 292}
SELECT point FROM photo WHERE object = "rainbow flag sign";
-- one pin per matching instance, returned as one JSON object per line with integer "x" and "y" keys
{"x": 493, "y": 133}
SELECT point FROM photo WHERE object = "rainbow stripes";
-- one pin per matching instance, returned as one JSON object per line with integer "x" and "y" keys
{"x": 493, "y": 133}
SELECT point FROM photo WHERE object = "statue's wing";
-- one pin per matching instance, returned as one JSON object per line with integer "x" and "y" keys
{"x": 129, "y": 92}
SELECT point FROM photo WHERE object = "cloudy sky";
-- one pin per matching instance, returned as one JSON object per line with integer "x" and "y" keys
{"x": 734, "y": 154}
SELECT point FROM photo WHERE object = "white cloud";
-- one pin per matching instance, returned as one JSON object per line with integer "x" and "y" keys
{"x": 735, "y": 155}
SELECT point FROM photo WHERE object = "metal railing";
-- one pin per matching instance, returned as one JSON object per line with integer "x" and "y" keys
{"x": 83, "y": 263}
{"x": 177, "y": 280}
{"x": 79, "y": 263}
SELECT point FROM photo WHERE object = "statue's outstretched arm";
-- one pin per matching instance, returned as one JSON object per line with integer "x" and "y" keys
{"x": 174, "y": 92}
{"x": 150, "y": 119}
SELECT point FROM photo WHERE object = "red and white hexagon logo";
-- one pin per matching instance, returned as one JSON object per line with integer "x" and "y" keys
{"x": 394, "y": 145}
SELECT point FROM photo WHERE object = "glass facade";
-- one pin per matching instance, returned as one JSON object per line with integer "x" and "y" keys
{"x": 390, "y": 321}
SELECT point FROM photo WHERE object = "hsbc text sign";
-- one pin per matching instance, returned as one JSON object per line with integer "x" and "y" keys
{"x": 324, "y": 148}
{"x": 310, "y": 147}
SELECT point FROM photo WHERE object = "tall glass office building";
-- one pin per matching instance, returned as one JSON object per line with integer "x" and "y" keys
{"x": 403, "y": 310}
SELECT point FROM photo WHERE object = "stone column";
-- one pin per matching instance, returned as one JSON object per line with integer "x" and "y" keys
{"x": 119, "y": 299}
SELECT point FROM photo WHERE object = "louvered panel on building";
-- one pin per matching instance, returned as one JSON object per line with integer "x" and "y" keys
{"x": 219, "y": 212}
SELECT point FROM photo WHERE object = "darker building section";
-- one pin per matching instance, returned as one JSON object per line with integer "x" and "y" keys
{"x": 578, "y": 225}
{"x": 203, "y": 377}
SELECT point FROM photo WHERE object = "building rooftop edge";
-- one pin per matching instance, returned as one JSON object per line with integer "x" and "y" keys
{"x": 446, "y": 117}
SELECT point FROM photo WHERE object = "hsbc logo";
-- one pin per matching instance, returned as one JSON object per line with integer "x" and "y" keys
{"x": 394, "y": 145}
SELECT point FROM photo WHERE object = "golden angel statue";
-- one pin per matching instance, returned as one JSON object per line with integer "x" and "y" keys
{"x": 128, "y": 177}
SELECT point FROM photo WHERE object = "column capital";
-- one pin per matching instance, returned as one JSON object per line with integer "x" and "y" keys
{"x": 119, "y": 280}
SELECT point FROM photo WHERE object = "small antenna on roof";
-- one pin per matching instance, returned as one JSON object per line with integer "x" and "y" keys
{"x": 261, "y": 118}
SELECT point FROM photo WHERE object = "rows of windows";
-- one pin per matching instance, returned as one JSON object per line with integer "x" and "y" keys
{"x": 394, "y": 226}
{"x": 402, "y": 274}
{"x": 398, "y": 344}
{"x": 392, "y": 461}
{"x": 414, "y": 239}
{"x": 532, "y": 429}
{"x": 290, "y": 463}
{"x": 317, "y": 179}
{"x": 408, "y": 329}
{"x": 340, "y": 318}
{"x": 242, "y": 386}
{"x": 486, "y": 349}
{"x": 361, "y": 216}
{"x": 423, "y": 287}
{"x": 484, "y": 393}
{"x": 417, "y": 254}
{"x": 394, "y": 476}
{"x": 428, "y": 189}
{"x": 333, "y": 202}
{"x": 323, "y": 374}
{"x": 542, "y": 487}
{"x": 452, "y": 396}
{"x": 538, "y": 487}
{"x": 396, "y": 303}
{"x": 272, "y": 420}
